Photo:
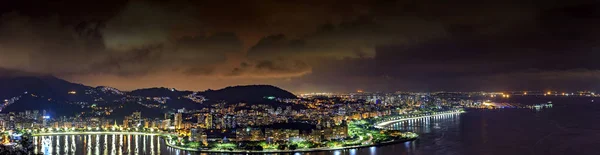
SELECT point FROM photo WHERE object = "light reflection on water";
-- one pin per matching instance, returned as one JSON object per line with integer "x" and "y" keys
{"x": 119, "y": 144}
{"x": 490, "y": 132}
{"x": 352, "y": 151}
{"x": 113, "y": 144}
{"x": 427, "y": 124}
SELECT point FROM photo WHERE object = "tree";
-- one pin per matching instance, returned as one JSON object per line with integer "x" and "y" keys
{"x": 281, "y": 147}
{"x": 186, "y": 139}
{"x": 293, "y": 146}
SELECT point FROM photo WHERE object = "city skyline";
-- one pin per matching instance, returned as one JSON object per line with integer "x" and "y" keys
{"x": 327, "y": 77}
{"x": 308, "y": 46}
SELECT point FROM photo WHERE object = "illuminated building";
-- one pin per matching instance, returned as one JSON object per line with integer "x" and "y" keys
{"x": 199, "y": 124}
{"x": 165, "y": 124}
{"x": 209, "y": 121}
{"x": 137, "y": 117}
{"x": 126, "y": 122}
{"x": 194, "y": 134}
{"x": 257, "y": 135}
{"x": 44, "y": 118}
{"x": 178, "y": 121}
{"x": 146, "y": 123}
{"x": 204, "y": 139}
{"x": 243, "y": 134}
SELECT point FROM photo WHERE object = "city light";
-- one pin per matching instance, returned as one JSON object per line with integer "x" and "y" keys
{"x": 345, "y": 120}
{"x": 393, "y": 77}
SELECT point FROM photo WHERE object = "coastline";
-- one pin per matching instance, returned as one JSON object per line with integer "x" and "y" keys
{"x": 379, "y": 125}
{"x": 225, "y": 151}
{"x": 293, "y": 151}
{"x": 162, "y": 136}
{"x": 99, "y": 133}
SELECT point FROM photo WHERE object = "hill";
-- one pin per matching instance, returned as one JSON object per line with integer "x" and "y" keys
{"x": 32, "y": 102}
{"x": 42, "y": 92}
{"x": 159, "y": 92}
{"x": 248, "y": 94}
{"x": 48, "y": 86}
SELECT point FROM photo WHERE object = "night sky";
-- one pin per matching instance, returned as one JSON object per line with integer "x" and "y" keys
{"x": 307, "y": 45}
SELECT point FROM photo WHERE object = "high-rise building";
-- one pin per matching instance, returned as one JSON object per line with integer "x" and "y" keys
{"x": 200, "y": 121}
{"x": 126, "y": 122}
{"x": 178, "y": 121}
{"x": 11, "y": 116}
{"x": 44, "y": 118}
{"x": 137, "y": 117}
{"x": 36, "y": 114}
{"x": 165, "y": 124}
{"x": 209, "y": 121}
{"x": 167, "y": 116}
{"x": 146, "y": 123}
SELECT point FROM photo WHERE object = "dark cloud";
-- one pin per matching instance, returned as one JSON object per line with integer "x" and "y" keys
{"x": 137, "y": 62}
{"x": 554, "y": 50}
{"x": 44, "y": 45}
{"x": 355, "y": 39}
{"x": 274, "y": 68}
{"x": 308, "y": 45}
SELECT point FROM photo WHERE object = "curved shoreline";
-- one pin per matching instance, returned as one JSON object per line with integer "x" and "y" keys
{"x": 161, "y": 135}
{"x": 379, "y": 125}
{"x": 292, "y": 151}
{"x": 99, "y": 133}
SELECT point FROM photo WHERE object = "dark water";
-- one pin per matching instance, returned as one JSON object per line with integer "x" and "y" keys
{"x": 569, "y": 128}
{"x": 110, "y": 144}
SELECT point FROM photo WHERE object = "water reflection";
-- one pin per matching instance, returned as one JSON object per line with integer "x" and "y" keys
{"x": 113, "y": 144}
{"x": 136, "y": 144}
{"x": 124, "y": 146}
{"x": 105, "y": 150}
{"x": 97, "y": 140}
{"x": 113, "y": 150}
{"x": 352, "y": 151}
{"x": 119, "y": 144}
{"x": 427, "y": 124}
{"x": 73, "y": 148}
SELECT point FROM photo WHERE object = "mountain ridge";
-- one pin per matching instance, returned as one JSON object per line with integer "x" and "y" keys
{"x": 49, "y": 92}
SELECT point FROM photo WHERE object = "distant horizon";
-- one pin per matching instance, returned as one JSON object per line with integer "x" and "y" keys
{"x": 299, "y": 92}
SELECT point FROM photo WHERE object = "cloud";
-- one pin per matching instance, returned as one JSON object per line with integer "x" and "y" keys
{"x": 142, "y": 23}
{"x": 277, "y": 68}
{"x": 353, "y": 39}
{"x": 187, "y": 56}
{"x": 356, "y": 39}
{"x": 43, "y": 45}
{"x": 378, "y": 44}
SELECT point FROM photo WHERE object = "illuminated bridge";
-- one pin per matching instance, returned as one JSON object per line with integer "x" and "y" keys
{"x": 390, "y": 120}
